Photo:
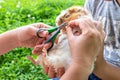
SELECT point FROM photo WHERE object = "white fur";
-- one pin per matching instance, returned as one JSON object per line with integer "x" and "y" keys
{"x": 59, "y": 55}
{"x": 61, "y": 14}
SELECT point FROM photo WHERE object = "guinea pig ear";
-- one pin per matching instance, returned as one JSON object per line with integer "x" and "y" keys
{"x": 63, "y": 12}
{"x": 59, "y": 19}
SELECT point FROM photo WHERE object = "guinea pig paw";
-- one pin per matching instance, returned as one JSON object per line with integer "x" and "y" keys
{"x": 44, "y": 52}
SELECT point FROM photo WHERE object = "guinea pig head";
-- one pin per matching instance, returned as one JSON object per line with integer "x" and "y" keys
{"x": 69, "y": 14}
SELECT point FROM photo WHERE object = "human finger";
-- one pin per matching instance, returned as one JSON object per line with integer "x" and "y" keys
{"x": 45, "y": 69}
{"x": 40, "y": 25}
{"x": 73, "y": 23}
{"x": 69, "y": 33}
{"x": 83, "y": 26}
{"x": 47, "y": 45}
{"x": 33, "y": 31}
{"x": 60, "y": 72}
{"x": 39, "y": 41}
{"x": 76, "y": 22}
{"x": 37, "y": 49}
{"x": 42, "y": 34}
{"x": 57, "y": 38}
{"x": 101, "y": 29}
{"x": 51, "y": 72}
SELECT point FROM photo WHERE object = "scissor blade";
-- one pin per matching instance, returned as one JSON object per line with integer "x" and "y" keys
{"x": 63, "y": 25}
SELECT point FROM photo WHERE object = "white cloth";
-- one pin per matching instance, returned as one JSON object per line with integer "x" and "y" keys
{"x": 110, "y": 13}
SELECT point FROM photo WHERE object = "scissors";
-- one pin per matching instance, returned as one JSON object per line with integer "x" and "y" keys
{"x": 54, "y": 30}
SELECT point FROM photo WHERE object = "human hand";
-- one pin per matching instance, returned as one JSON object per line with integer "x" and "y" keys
{"x": 27, "y": 38}
{"x": 100, "y": 59}
{"x": 51, "y": 71}
{"x": 100, "y": 62}
{"x": 85, "y": 47}
{"x": 27, "y": 35}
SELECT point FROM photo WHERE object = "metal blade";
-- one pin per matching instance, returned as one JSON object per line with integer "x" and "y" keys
{"x": 63, "y": 25}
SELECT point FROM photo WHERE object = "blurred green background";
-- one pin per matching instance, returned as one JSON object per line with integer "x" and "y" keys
{"x": 15, "y": 13}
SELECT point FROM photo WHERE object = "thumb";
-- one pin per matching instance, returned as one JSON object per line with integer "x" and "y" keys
{"x": 41, "y": 34}
{"x": 69, "y": 32}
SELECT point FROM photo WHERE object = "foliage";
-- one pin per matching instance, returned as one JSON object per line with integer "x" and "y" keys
{"x": 16, "y": 13}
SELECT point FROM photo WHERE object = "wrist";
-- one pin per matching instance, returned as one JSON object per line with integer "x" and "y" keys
{"x": 84, "y": 64}
{"x": 77, "y": 71}
{"x": 21, "y": 35}
{"x": 14, "y": 38}
{"x": 8, "y": 41}
{"x": 100, "y": 66}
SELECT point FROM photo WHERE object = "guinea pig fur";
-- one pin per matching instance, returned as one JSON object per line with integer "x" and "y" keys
{"x": 59, "y": 56}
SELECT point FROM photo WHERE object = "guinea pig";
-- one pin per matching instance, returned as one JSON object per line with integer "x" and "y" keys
{"x": 59, "y": 56}
{"x": 72, "y": 13}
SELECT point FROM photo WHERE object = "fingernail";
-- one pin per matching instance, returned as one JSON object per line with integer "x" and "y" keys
{"x": 45, "y": 33}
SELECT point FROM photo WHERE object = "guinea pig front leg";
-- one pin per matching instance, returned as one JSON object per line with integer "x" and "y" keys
{"x": 35, "y": 62}
{"x": 44, "y": 52}
{"x": 44, "y": 56}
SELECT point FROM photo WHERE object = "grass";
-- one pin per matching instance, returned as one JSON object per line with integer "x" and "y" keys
{"x": 16, "y": 13}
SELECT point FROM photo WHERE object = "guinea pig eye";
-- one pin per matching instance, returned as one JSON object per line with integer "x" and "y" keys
{"x": 67, "y": 16}
{"x": 79, "y": 10}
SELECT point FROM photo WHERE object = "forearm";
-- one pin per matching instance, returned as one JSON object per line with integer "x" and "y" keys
{"x": 8, "y": 41}
{"x": 77, "y": 72}
{"x": 107, "y": 71}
